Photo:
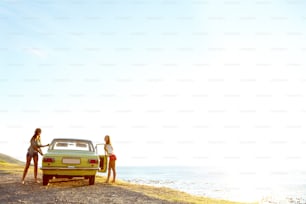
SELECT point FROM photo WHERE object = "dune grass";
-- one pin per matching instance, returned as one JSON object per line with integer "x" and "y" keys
{"x": 8, "y": 159}
{"x": 163, "y": 193}
{"x": 9, "y": 168}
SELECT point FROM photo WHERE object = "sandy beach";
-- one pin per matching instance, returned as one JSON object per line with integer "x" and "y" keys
{"x": 66, "y": 191}
{"x": 59, "y": 191}
{"x": 78, "y": 190}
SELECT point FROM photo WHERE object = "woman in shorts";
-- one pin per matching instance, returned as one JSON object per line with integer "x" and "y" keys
{"x": 33, "y": 151}
{"x": 112, "y": 159}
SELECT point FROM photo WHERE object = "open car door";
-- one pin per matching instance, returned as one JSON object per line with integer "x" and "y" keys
{"x": 102, "y": 158}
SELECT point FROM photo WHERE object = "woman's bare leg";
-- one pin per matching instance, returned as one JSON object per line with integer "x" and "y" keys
{"x": 25, "y": 171}
{"x": 113, "y": 167}
{"x": 35, "y": 158}
{"x": 108, "y": 172}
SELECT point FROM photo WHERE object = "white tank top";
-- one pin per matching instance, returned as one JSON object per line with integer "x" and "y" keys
{"x": 109, "y": 149}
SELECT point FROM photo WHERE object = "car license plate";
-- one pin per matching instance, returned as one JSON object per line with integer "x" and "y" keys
{"x": 71, "y": 161}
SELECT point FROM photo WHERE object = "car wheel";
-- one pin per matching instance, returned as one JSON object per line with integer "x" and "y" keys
{"x": 92, "y": 180}
{"x": 45, "y": 180}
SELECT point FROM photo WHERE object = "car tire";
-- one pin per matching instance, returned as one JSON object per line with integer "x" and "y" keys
{"x": 92, "y": 180}
{"x": 45, "y": 180}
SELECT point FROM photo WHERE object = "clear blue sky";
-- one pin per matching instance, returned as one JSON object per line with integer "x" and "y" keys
{"x": 207, "y": 82}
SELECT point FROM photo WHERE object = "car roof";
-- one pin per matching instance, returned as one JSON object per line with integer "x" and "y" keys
{"x": 85, "y": 140}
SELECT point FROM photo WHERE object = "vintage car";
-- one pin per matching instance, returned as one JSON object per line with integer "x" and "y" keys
{"x": 68, "y": 158}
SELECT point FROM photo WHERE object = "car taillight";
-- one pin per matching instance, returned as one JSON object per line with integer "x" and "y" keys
{"x": 48, "y": 159}
{"x": 93, "y": 161}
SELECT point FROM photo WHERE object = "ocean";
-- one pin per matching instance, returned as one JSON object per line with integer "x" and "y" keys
{"x": 278, "y": 187}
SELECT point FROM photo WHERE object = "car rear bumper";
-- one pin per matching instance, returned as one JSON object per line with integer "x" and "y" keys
{"x": 69, "y": 171}
{"x": 69, "y": 168}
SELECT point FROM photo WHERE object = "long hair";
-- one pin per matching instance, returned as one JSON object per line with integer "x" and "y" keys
{"x": 37, "y": 132}
{"x": 107, "y": 139}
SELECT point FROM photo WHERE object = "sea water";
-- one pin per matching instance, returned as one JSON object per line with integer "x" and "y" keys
{"x": 279, "y": 187}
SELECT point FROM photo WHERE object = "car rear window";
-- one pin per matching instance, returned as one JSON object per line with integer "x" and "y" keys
{"x": 72, "y": 145}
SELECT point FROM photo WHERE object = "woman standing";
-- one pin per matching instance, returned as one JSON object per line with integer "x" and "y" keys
{"x": 33, "y": 151}
{"x": 112, "y": 158}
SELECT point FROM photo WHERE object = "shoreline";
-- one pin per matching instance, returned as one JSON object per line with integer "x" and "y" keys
{"x": 78, "y": 190}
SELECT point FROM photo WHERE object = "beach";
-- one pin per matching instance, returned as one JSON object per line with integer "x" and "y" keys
{"x": 286, "y": 187}
{"x": 78, "y": 190}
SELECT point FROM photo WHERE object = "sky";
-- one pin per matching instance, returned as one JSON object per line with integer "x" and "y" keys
{"x": 173, "y": 82}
